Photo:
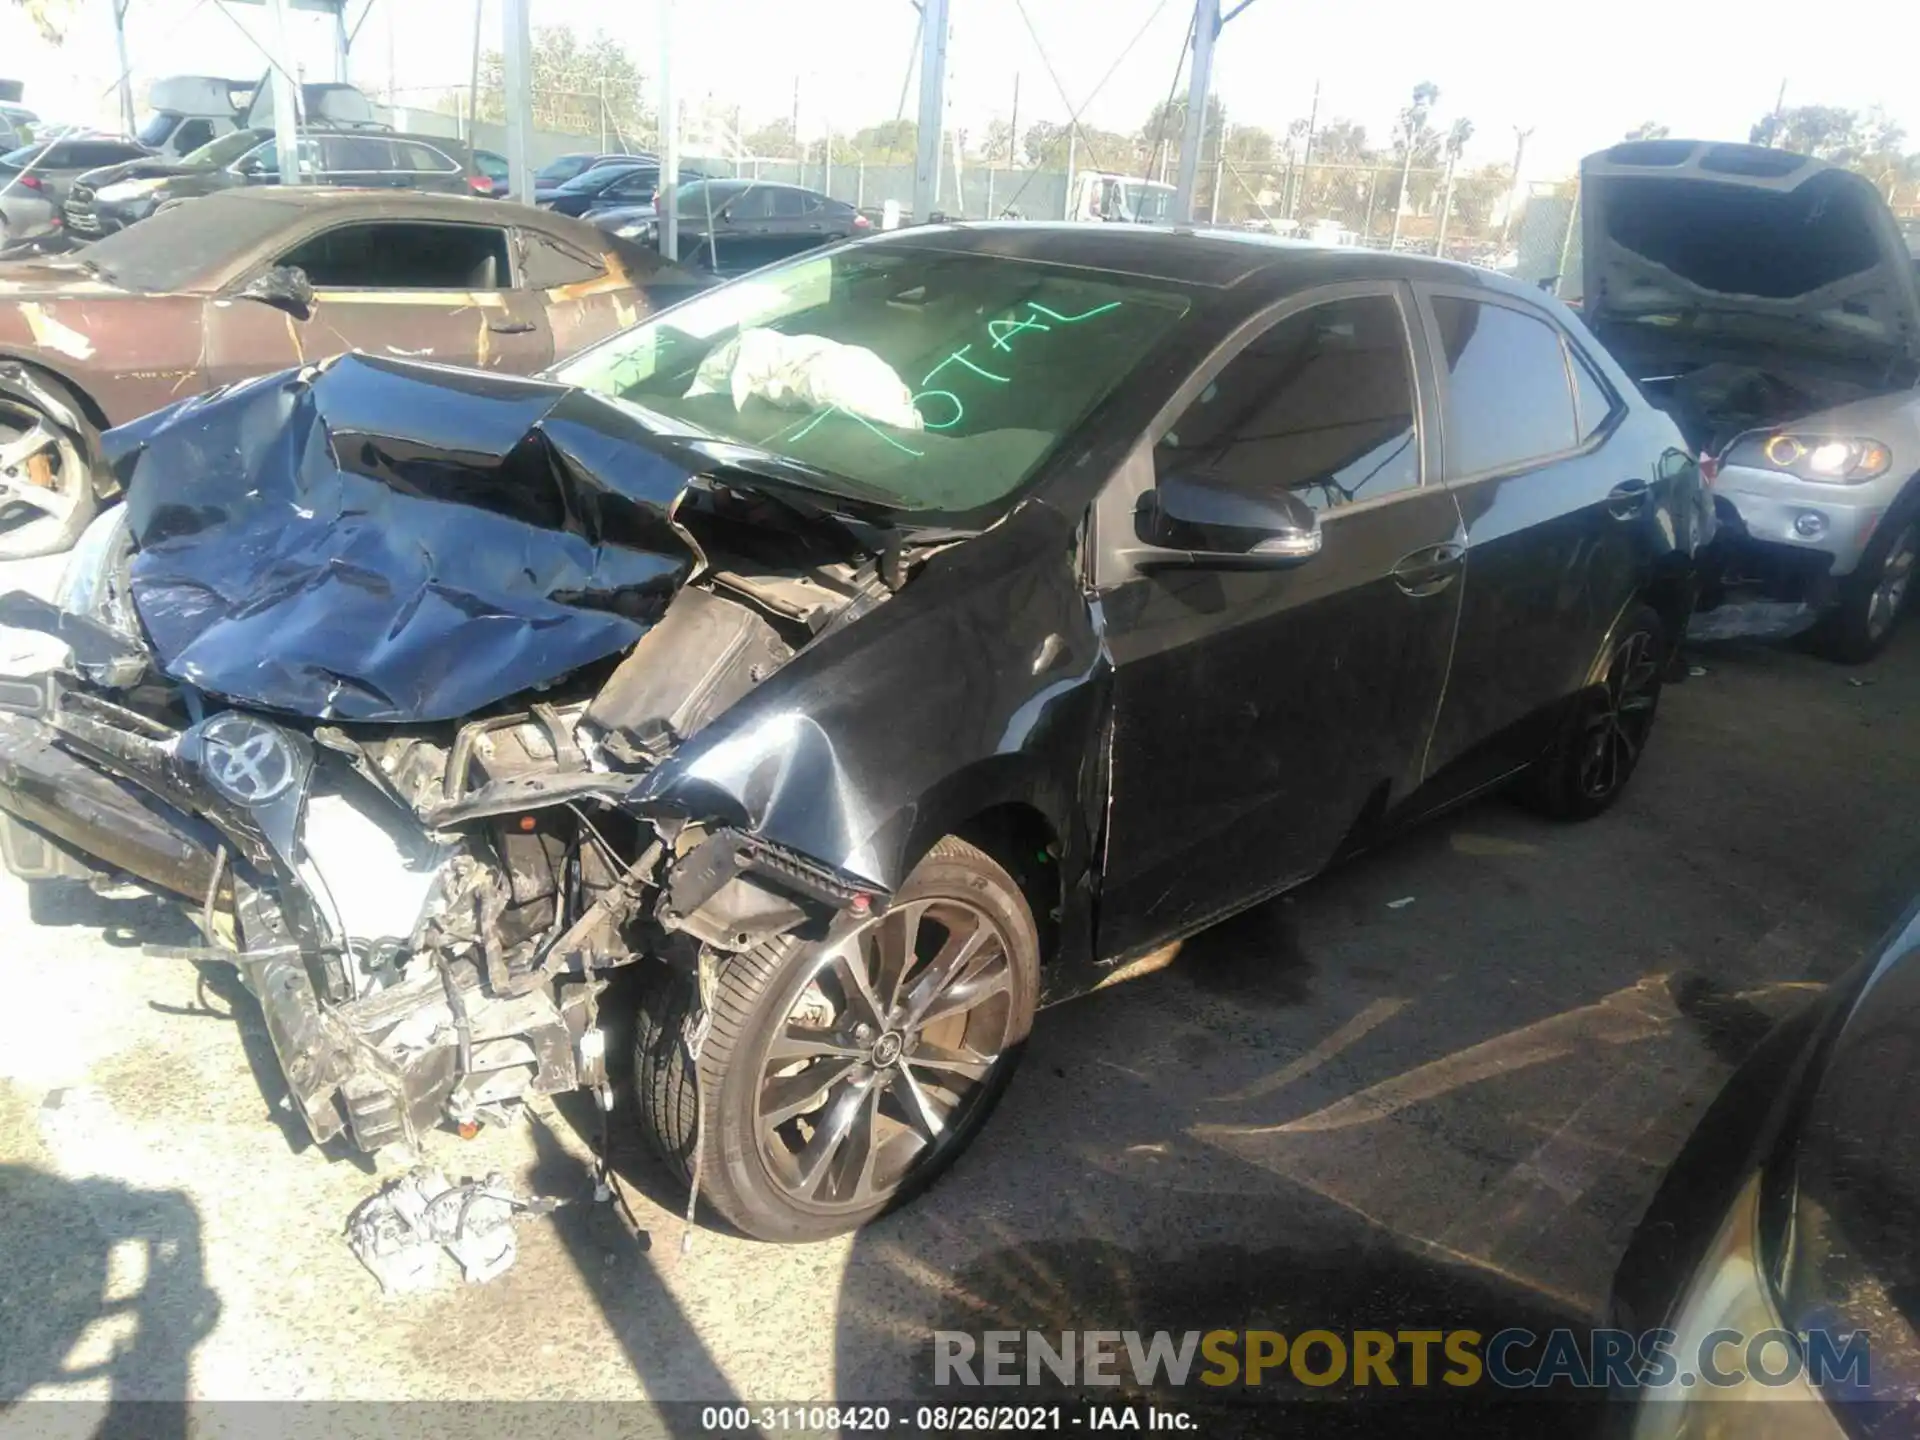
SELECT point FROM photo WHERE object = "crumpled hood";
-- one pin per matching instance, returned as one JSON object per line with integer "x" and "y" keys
{"x": 375, "y": 539}
{"x": 1779, "y": 248}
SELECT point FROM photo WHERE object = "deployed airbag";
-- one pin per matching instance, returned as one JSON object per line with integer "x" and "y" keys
{"x": 807, "y": 372}
{"x": 380, "y": 540}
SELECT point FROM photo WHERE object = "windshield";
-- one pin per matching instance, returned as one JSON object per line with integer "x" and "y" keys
{"x": 174, "y": 248}
{"x": 157, "y": 127}
{"x": 971, "y": 369}
{"x": 217, "y": 154}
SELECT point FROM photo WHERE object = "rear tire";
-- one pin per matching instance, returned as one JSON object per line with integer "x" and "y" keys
{"x": 1607, "y": 727}
{"x": 827, "y": 1107}
{"x": 1876, "y": 594}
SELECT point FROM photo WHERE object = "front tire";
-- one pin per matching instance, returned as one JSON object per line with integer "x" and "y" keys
{"x": 1875, "y": 595}
{"x": 1606, "y": 732}
{"x": 840, "y": 1077}
{"x": 47, "y": 494}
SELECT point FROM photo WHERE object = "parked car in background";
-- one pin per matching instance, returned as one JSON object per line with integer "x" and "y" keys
{"x": 105, "y": 201}
{"x": 562, "y": 168}
{"x": 731, "y": 226}
{"x": 254, "y": 280}
{"x": 18, "y": 126}
{"x": 616, "y": 182}
{"x": 493, "y": 168}
{"x": 1768, "y": 302}
{"x": 821, "y": 649}
{"x": 50, "y": 167}
{"x": 1790, "y": 1213}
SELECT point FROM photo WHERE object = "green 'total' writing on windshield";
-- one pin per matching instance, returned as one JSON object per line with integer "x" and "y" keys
{"x": 1000, "y": 332}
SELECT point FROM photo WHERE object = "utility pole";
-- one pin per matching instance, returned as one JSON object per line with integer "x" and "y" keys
{"x": 126, "y": 67}
{"x": 933, "y": 107}
{"x": 286, "y": 98}
{"x": 1219, "y": 174}
{"x": 799, "y": 154}
{"x": 1306, "y": 157}
{"x": 517, "y": 76}
{"x": 1067, "y": 213}
{"x": 1779, "y": 107}
{"x": 1206, "y": 30}
{"x": 669, "y": 211}
{"x": 1446, "y": 209}
{"x": 1513, "y": 193}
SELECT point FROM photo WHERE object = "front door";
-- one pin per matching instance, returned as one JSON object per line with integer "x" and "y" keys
{"x": 1263, "y": 717}
{"x": 435, "y": 291}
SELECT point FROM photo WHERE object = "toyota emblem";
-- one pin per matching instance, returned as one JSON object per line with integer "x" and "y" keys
{"x": 246, "y": 759}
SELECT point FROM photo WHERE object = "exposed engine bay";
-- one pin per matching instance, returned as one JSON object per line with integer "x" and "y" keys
{"x": 428, "y": 879}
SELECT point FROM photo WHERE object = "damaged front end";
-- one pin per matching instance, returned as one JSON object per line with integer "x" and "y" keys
{"x": 375, "y": 677}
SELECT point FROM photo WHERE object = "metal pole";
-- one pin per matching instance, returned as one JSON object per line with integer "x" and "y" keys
{"x": 1067, "y": 206}
{"x": 517, "y": 53}
{"x": 1513, "y": 191}
{"x": 959, "y": 185}
{"x": 342, "y": 45}
{"x": 1306, "y": 157}
{"x": 1446, "y": 211}
{"x": 1373, "y": 186}
{"x": 1400, "y": 197}
{"x": 933, "y": 108}
{"x": 1013, "y": 127}
{"x": 1206, "y": 29}
{"x": 126, "y": 71}
{"x": 826, "y": 163}
{"x": 1219, "y": 174}
{"x": 669, "y": 214}
{"x": 286, "y": 99}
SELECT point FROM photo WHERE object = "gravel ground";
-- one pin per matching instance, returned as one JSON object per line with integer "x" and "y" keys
{"x": 1337, "y": 1110}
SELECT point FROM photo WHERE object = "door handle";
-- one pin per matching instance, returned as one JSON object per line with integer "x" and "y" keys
{"x": 512, "y": 327}
{"x": 1430, "y": 569}
{"x": 1627, "y": 499}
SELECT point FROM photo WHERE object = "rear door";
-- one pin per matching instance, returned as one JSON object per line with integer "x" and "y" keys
{"x": 441, "y": 291}
{"x": 1557, "y": 526}
{"x": 1262, "y": 718}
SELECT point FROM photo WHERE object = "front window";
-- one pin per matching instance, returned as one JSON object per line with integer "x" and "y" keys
{"x": 1138, "y": 201}
{"x": 970, "y": 369}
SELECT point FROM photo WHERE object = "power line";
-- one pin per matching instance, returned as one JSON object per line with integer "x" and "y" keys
{"x": 1166, "y": 106}
{"x": 1073, "y": 115}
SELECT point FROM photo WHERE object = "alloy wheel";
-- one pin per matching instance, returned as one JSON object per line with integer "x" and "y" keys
{"x": 890, "y": 1040}
{"x": 1622, "y": 714}
{"x": 42, "y": 481}
{"x": 1896, "y": 576}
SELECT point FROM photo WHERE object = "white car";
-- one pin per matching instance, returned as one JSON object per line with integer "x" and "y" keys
{"x": 1768, "y": 302}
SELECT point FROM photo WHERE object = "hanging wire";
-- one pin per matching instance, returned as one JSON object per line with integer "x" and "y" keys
{"x": 1166, "y": 106}
{"x": 1073, "y": 117}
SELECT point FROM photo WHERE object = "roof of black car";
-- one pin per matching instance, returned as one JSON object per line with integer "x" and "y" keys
{"x": 1189, "y": 255}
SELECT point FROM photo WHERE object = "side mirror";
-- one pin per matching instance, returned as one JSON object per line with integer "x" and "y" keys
{"x": 247, "y": 165}
{"x": 1197, "y": 519}
{"x": 285, "y": 287}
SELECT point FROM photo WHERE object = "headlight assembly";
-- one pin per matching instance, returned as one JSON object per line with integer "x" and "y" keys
{"x": 1828, "y": 459}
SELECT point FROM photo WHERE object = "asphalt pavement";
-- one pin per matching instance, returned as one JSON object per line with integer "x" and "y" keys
{"x": 1435, "y": 1088}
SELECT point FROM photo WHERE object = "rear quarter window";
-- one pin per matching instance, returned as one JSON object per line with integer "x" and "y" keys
{"x": 1509, "y": 402}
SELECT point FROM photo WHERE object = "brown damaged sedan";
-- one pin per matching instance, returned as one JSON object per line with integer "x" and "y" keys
{"x": 251, "y": 282}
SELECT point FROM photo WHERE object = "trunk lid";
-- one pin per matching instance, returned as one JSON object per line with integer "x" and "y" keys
{"x": 1714, "y": 248}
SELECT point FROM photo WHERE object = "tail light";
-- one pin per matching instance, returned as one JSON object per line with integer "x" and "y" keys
{"x": 31, "y": 182}
{"x": 479, "y": 184}
{"x": 861, "y": 222}
{"x": 1709, "y": 469}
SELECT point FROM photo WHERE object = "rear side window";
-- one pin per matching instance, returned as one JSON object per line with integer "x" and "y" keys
{"x": 545, "y": 262}
{"x": 753, "y": 203}
{"x": 634, "y": 185}
{"x": 1593, "y": 402}
{"x": 350, "y": 154}
{"x": 1322, "y": 404}
{"x": 790, "y": 204}
{"x": 411, "y": 155}
{"x": 1508, "y": 401}
{"x": 404, "y": 255}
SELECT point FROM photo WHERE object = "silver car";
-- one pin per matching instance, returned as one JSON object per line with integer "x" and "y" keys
{"x": 1768, "y": 302}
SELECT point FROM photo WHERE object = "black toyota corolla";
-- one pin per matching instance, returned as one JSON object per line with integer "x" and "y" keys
{"x": 866, "y": 652}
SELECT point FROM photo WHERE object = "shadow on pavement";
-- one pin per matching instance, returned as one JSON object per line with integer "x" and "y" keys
{"x": 112, "y": 1289}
